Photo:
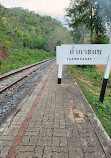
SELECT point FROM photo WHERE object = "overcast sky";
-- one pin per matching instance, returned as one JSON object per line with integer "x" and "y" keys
{"x": 54, "y": 8}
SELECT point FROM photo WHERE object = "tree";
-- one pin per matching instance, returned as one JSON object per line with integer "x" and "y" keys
{"x": 85, "y": 12}
{"x": 38, "y": 42}
{"x": 28, "y": 29}
{"x": 104, "y": 13}
{"x": 2, "y": 11}
{"x": 80, "y": 35}
{"x": 26, "y": 40}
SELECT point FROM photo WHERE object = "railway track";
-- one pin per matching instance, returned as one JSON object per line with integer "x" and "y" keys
{"x": 11, "y": 78}
{"x": 15, "y": 85}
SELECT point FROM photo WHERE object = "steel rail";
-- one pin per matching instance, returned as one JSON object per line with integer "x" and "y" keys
{"x": 26, "y": 75}
{"x": 21, "y": 69}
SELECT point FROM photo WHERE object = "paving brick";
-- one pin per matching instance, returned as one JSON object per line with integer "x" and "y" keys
{"x": 43, "y": 132}
{"x": 32, "y": 133}
{"x": 39, "y": 151}
{"x": 60, "y": 149}
{"x": 1, "y": 147}
{"x": 38, "y": 124}
{"x": 33, "y": 140}
{"x": 59, "y": 134}
{"x": 79, "y": 152}
{"x": 25, "y": 155}
{"x": 47, "y": 152}
{"x": 71, "y": 141}
{"x": 32, "y": 129}
{"x": 27, "y": 148}
{"x": 72, "y": 152}
{"x": 69, "y": 133}
{"x": 44, "y": 143}
{"x": 25, "y": 140}
{"x": 7, "y": 138}
{"x": 5, "y": 143}
{"x": 83, "y": 141}
{"x": 47, "y": 138}
{"x": 94, "y": 155}
{"x": 89, "y": 149}
{"x": 91, "y": 141}
{"x": 63, "y": 141}
{"x": 61, "y": 155}
{"x": 49, "y": 132}
{"x": 56, "y": 141}
{"x": 31, "y": 124}
{"x": 4, "y": 151}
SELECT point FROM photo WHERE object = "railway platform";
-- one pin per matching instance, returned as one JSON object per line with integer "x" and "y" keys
{"x": 54, "y": 121}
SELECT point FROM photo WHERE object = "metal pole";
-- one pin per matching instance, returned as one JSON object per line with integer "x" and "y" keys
{"x": 60, "y": 73}
{"x": 105, "y": 79}
{"x": 106, "y": 76}
{"x": 103, "y": 89}
{"x": 59, "y": 62}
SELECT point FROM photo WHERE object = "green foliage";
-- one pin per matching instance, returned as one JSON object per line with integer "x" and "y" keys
{"x": 27, "y": 29}
{"x": 7, "y": 44}
{"x": 2, "y": 11}
{"x": 26, "y": 36}
{"x": 38, "y": 42}
{"x": 88, "y": 13}
{"x": 101, "y": 39}
{"x": 23, "y": 57}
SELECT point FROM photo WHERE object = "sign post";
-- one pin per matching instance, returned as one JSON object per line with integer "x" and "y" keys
{"x": 60, "y": 63}
{"x": 60, "y": 73}
{"x": 105, "y": 79}
{"x": 82, "y": 54}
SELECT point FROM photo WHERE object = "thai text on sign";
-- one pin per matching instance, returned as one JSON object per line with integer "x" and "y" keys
{"x": 90, "y": 54}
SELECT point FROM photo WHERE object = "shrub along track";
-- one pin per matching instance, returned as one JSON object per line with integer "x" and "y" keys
{"x": 16, "y": 84}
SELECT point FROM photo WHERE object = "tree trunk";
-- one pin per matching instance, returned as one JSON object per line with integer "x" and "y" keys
{"x": 110, "y": 36}
{"x": 91, "y": 35}
{"x": 96, "y": 34}
{"x": 91, "y": 25}
{"x": 84, "y": 36}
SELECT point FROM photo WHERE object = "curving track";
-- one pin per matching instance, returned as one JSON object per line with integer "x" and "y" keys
{"x": 11, "y": 78}
{"x": 16, "y": 84}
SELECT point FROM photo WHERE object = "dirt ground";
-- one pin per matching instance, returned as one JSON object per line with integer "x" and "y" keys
{"x": 101, "y": 68}
{"x": 3, "y": 55}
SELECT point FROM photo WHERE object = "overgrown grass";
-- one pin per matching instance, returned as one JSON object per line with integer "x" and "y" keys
{"x": 90, "y": 82}
{"x": 23, "y": 57}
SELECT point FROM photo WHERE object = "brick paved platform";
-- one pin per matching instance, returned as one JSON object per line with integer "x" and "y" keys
{"x": 54, "y": 121}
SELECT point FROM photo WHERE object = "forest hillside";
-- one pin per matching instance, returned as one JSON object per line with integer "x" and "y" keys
{"x": 27, "y": 37}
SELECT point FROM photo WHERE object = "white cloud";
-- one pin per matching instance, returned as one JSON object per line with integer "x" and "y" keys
{"x": 53, "y": 8}
{"x": 11, "y": 3}
{"x": 49, "y": 7}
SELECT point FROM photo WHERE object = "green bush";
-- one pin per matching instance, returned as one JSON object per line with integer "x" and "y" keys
{"x": 23, "y": 57}
{"x": 102, "y": 39}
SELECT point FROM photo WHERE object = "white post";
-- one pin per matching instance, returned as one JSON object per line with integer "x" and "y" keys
{"x": 59, "y": 62}
{"x": 60, "y": 73}
{"x": 107, "y": 69}
{"x": 105, "y": 79}
{"x": 106, "y": 76}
